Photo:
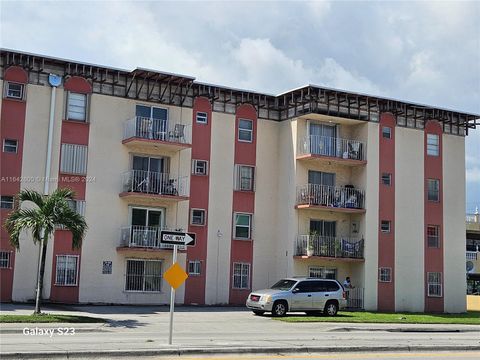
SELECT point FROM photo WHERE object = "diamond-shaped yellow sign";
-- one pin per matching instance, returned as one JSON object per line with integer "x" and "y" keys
{"x": 175, "y": 276}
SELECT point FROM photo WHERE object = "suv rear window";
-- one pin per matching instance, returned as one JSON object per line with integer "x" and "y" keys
{"x": 332, "y": 286}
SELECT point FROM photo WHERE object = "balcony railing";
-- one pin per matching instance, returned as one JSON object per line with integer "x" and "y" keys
{"x": 143, "y": 237}
{"x": 149, "y": 182}
{"x": 335, "y": 196}
{"x": 326, "y": 246}
{"x": 332, "y": 147}
{"x": 157, "y": 129}
{"x": 472, "y": 255}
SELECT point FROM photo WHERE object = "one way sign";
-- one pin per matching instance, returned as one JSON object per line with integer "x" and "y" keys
{"x": 177, "y": 238}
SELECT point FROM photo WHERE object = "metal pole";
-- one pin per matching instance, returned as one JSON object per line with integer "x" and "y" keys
{"x": 172, "y": 299}
{"x": 49, "y": 142}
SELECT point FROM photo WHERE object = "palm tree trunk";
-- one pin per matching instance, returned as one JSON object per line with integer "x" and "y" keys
{"x": 41, "y": 272}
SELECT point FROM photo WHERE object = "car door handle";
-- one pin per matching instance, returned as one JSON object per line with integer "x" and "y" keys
{"x": 326, "y": 294}
{"x": 309, "y": 295}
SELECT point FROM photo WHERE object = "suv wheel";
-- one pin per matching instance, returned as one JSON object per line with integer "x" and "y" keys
{"x": 279, "y": 308}
{"x": 331, "y": 309}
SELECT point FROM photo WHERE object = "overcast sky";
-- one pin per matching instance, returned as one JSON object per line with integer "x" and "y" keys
{"x": 427, "y": 52}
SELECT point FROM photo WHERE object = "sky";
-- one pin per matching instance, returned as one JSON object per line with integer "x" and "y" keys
{"x": 426, "y": 52}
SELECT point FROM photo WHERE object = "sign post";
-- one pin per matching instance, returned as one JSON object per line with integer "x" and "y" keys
{"x": 175, "y": 275}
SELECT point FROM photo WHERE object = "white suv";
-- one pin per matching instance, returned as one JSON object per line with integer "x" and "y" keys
{"x": 310, "y": 295}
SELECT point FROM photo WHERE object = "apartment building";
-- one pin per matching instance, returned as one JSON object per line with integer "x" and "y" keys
{"x": 314, "y": 181}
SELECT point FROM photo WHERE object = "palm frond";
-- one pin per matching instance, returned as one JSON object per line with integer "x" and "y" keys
{"x": 32, "y": 196}
{"x": 23, "y": 219}
{"x": 74, "y": 222}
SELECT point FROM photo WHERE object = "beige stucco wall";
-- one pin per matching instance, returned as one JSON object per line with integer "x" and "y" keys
{"x": 454, "y": 223}
{"x": 220, "y": 208}
{"x": 409, "y": 220}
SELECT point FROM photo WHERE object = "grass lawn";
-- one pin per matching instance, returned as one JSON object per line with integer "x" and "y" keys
{"x": 49, "y": 318}
{"x": 472, "y": 317}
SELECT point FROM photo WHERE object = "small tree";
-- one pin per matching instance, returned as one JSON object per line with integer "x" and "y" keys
{"x": 50, "y": 212}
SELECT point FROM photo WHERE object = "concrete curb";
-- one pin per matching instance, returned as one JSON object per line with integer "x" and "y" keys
{"x": 232, "y": 350}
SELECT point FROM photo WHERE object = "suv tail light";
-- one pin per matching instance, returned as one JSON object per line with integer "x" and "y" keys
{"x": 344, "y": 295}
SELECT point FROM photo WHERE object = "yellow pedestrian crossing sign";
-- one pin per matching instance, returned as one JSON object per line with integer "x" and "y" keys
{"x": 175, "y": 276}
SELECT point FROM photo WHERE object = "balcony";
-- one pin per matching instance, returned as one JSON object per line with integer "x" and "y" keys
{"x": 473, "y": 222}
{"x": 472, "y": 255}
{"x": 145, "y": 238}
{"x": 140, "y": 184}
{"x": 329, "y": 247}
{"x": 344, "y": 151}
{"x": 157, "y": 133}
{"x": 332, "y": 198}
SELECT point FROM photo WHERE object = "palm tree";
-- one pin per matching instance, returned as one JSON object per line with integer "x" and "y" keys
{"x": 50, "y": 212}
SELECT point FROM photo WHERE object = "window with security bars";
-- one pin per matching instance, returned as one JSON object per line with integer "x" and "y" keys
{"x": 433, "y": 190}
{"x": 199, "y": 167}
{"x": 322, "y": 272}
{"x": 242, "y": 226}
{"x": 14, "y": 90}
{"x": 241, "y": 276}
{"x": 244, "y": 178}
{"x": 74, "y": 159}
{"x": 433, "y": 236}
{"x": 77, "y": 107}
{"x": 66, "y": 270}
{"x": 384, "y": 274}
{"x": 194, "y": 267}
{"x": 434, "y": 284}
{"x": 433, "y": 145}
{"x": 143, "y": 275}
{"x": 4, "y": 259}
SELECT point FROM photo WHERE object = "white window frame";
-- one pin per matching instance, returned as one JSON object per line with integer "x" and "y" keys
{"x": 250, "y": 217}
{"x": 67, "y": 258}
{"x": 143, "y": 276}
{"x": 201, "y": 117}
{"x": 5, "y": 201}
{"x": 435, "y": 237}
{"x": 243, "y": 130}
{"x": 5, "y": 257}
{"x": 195, "y": 167}
{"x": 10, "y": 146}
{"x": 74, "y": 159}
{"x": 239, "y": 184}
{"x": 433, "y": 283}
{"x": 385, "y": 274}
{"x": 433, "y": 145}
{"x": 389, "y": 132}
{"x": 71, "y": 115}
{"x": 194, "y": 267}
{"x": 386, "y": 231}
{"x": 7, "y": 88}
{"x": 203, "y": 217}
{"x": 320, "y": 272}
{"x": 235, "y": 275}
{"x": 436, "y": 191}
{"x": 386, "y": 176}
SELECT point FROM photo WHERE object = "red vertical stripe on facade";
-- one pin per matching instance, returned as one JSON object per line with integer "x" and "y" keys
{"x": 72, "y": 133}
{"x": 201, "y": 143}
{"x": 12, "y": 127}
{"x": 386, "y": 211}
{"x": 243, "y": 201}
{"x": 433, "y": 212}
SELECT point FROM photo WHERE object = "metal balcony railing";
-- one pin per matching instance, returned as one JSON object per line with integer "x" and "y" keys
{"x": 332, "y": 147}
{"x": 157, "y": 129}
{"x": 327, "y": 246}
{"x": 149, "y": 182}
{"x": 346, "y": 197}
{"x": 143, "y": 237}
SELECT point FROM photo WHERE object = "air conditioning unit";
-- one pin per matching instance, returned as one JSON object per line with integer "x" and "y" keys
{"x": 470, "y": 267}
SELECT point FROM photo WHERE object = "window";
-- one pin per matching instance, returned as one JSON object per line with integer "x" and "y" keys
{"x": 4, "y": 259}
{"x": 433, "y": 142}
{"x": 384, "y": 274}
{"x": 143, "y": 275}
{"x": 107, "y": 267}
{"x": 433, "y": 236}
{"x": 322, "y": 272}
{"x": 197, "y": 217}
{"x": 243, "y": 226}
{"x": 199, "y": 167}
{"x": 244, "y": 178}
{"x": 14, "y": 90}
{"x": 387, "y": 132}
{"x": 202, "y": 117}
{"x": 194, "y": 267}
{"x": 76, "y": 205}
{"x": 66, "y": 273}
{"x": 434, "y": 284}
{"x": 6, "y": 202}
{"x": 74, "y": 159}
{"x": 241, "y": 276}
{"x": 385, "y": 226}
{"x": 433, "y": 193}
{"x": 245, "y": 130}
{"x": 386, "y": 179}
{"x": 77, "y": 107}
{"x": 10, "y": 146}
